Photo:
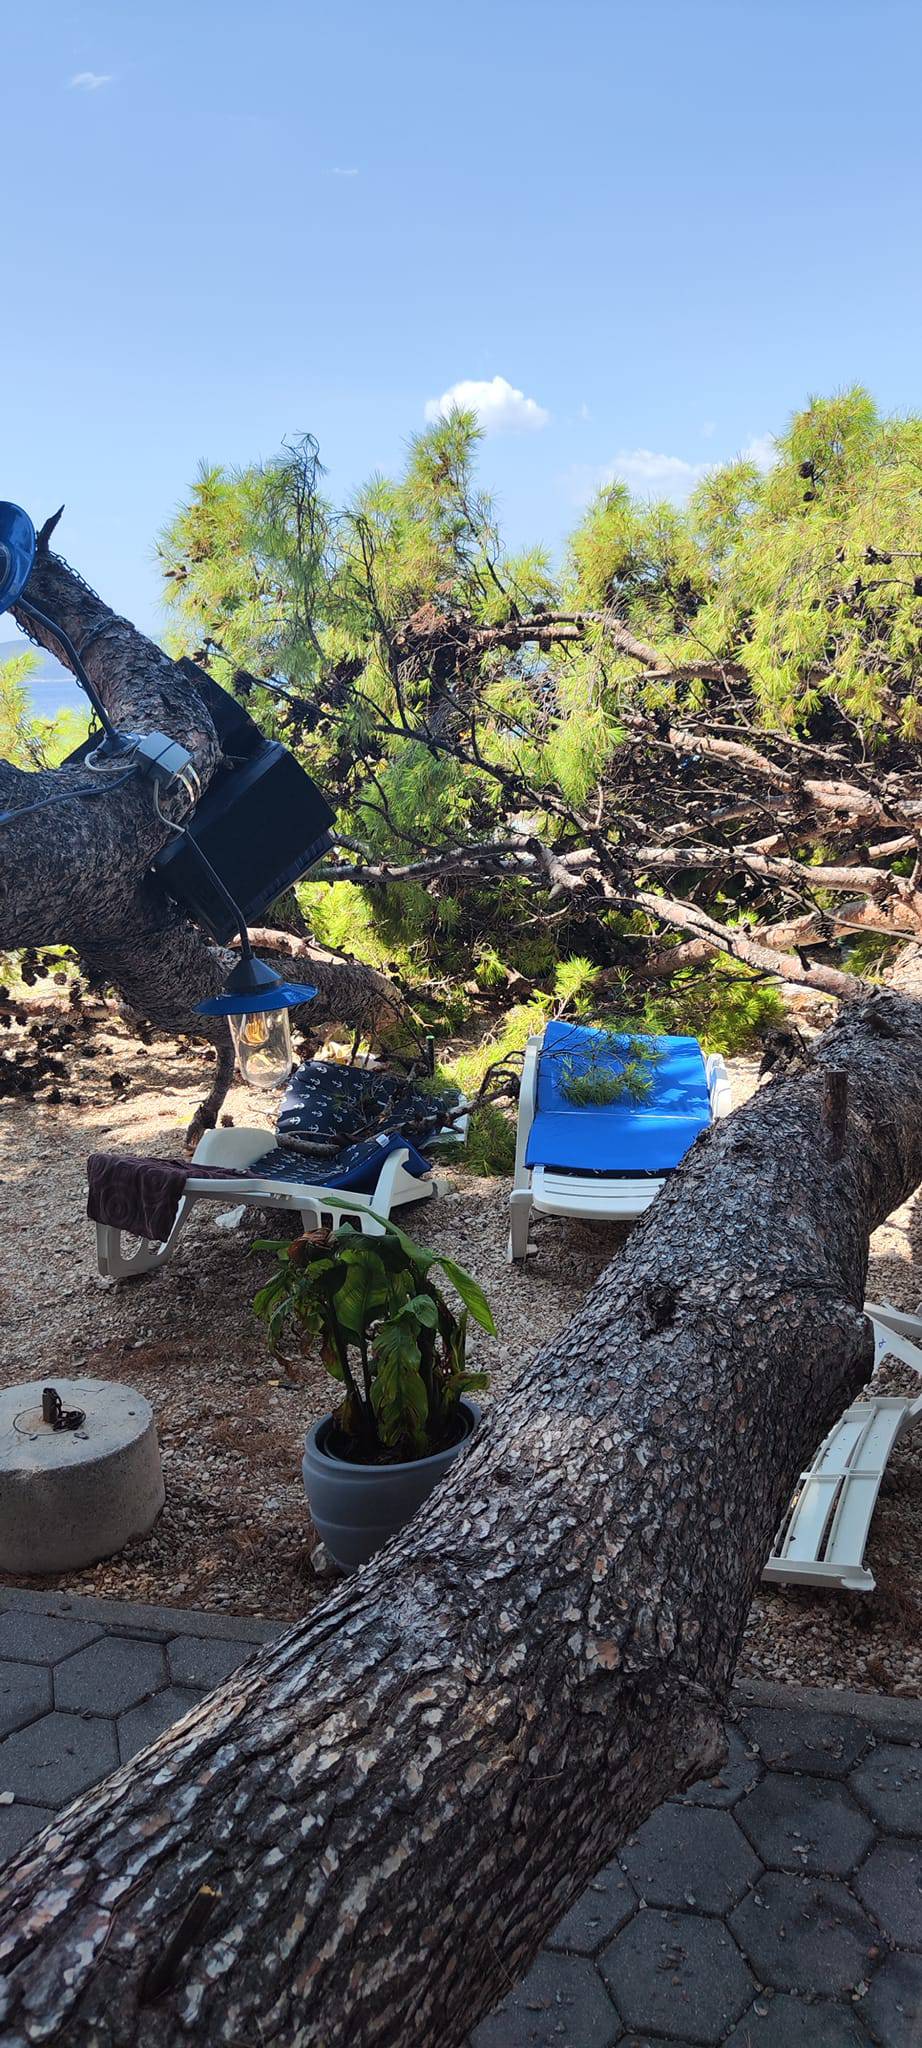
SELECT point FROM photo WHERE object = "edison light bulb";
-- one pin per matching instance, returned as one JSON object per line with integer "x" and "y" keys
{"x": 262, "y": 1042}
{"x": 255, "y": 1029}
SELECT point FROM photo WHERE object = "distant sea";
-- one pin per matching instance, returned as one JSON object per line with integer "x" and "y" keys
{"x": 50, "y": 697}
{"x": 51, "y": 687}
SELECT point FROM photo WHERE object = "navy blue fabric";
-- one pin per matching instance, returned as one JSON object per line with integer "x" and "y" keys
{"x": 651, "y": 1136}
{"x": 326, "y": 1100}
{"x": 356, "y": 1168}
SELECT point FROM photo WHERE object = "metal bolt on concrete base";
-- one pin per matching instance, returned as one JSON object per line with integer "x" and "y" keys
{"x": 72, "y": 1495}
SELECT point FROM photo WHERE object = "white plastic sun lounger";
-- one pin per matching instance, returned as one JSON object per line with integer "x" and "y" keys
{"x": 123, "y": 1258}
{"x": 823, "y": 1537}
{"x": 560, "y": 1190}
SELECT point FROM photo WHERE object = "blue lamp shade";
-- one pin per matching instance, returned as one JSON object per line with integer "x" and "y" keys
{"x": 17, "y": 553}
{"x": 283, "y": 997}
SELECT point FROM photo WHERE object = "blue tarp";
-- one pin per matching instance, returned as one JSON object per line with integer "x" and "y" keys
{"x": 618, "y": 1137}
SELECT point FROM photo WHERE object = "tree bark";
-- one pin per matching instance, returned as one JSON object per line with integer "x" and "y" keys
{"x": 383, "y": 1814}
{"x": 80, "y": 873}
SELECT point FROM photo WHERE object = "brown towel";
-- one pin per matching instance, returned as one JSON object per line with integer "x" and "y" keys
{"x": 142, "y": 1195}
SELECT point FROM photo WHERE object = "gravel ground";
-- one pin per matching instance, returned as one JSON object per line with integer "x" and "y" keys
{"x": 234, "y": 1533}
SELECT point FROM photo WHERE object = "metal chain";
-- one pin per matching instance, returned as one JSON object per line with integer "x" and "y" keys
{"x": 29, "y": 630}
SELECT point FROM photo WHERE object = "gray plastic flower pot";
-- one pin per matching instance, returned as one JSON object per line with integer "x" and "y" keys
{"x": 356, "y": 1508}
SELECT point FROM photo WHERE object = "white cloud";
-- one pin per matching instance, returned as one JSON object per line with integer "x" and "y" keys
{"x": 584, "y": 412}
{"x": 89, "y": 81}
{"x": 653, "y": 475}
{"x": 762, "y": 450}
{"x": 649, "y": 473}
{"x": 344, "y": 171}
{"x": 500, "y": 407}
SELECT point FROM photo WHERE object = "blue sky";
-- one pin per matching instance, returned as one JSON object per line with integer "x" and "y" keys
{"x": 662, "y": 226}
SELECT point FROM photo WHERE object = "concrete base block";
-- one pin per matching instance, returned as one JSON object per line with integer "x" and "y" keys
{"x": 71, "y": 1496}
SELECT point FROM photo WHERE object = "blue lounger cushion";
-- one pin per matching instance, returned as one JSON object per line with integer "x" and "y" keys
{"x": 651, "y": 1136}
{"x": 355, "y": 1169}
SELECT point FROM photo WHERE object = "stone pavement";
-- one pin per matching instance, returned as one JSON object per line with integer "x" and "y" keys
{"x": 86, "y": 1683}
{"x": 777, "y": 1904}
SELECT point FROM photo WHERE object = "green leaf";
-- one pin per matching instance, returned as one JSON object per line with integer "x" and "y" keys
{"x": 423, "y": 1309}
{"x": 467, "y": 1383}
{"x": 471, "y": 1294}
{"x": 395, "y": 1342}
{"x": 272, "y": 1292}
{"x": 362, "y": 1292}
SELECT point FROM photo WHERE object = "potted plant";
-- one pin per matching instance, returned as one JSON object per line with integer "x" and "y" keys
{"x": 396, "y": 1348}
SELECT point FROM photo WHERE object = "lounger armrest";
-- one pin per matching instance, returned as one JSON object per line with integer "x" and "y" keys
{"x": 718, "y": 1081}
{"x": 382, "y": 1193}
{"x": 527, "y": 1097}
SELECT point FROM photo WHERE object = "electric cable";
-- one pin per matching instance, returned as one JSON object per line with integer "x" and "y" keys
{"x": 66, "y": 796}
{"x": 65, "y": 642}
{"x": 204, "y": 862}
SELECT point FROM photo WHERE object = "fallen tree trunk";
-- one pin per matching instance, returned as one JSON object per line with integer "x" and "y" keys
{"x": 75, "y": 866}
{"x": 364, "y": 1835}
{"x": 348, "y": 992}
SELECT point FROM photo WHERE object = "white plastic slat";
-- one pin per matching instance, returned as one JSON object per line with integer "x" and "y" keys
{"x": 899, "y": 1320}
{"x": 566, "y": 1194}
{"x": 807, "y": 1526}
{"x": 827, "y": 1531}
{"x": 818, "y": 1507}
{"x": 848, "y": 1534}
{"x": 823, "y": 1539}
{"x": 889, "y": 1343}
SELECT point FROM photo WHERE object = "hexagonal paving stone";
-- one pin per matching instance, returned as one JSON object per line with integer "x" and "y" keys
{"x": 206, "y": 1660}
{"x": 893, "y": 2004}
{"x": 647, "y": 2041}
{"x": 690, "y": 1856}
{"x": 784, "y": 2022}
{"x": 805, "y": 1934}
{"x": 110, "y": 1676}
{"x": 18, "y": 1823}
{"x": 605, "y": 1905}
{"x": 57, "y": 1757}
{"x": 560, "y": 2002}
{"x": 143, "y": 1724}
{"x": 25, "y": 1692}
{"x": 677, "y": 1974}
{"x": 41, "y": 1638}
{"x": 890, "y": 1883}
{"x": 805, "y": 1824}
{"x": 793, "y": 1739}
{"x": 889, "y": 1784}
{"x": 740, "y": 1771}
